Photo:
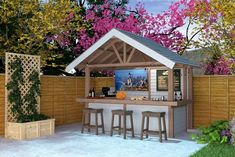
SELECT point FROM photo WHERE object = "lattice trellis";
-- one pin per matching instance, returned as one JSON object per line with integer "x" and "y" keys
{"x": 29, "y": 63}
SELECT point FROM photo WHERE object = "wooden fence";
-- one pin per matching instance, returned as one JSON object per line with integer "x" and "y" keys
{"x": 58, "y": 95}
{"x": 2, "y": 104}
{"x": 213, "y": 99}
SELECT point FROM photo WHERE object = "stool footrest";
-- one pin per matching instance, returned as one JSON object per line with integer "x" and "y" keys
{"x": 121, "y": 129}
{"x": 153, "y": 132}
{"x": 91, "y": 126}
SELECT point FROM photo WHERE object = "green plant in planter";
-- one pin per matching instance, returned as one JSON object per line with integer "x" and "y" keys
{"x": 30, "y": 98}
{"x": 217, "y": 132}
{"x": 13, "y": 86}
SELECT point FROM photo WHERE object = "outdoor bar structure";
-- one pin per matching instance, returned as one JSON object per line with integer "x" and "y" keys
{"x": 118, "y": 50}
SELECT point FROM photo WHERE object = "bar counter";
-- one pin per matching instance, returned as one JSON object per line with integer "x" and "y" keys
{"x": 110, "y": 100}
{"x": 176, "y": 112}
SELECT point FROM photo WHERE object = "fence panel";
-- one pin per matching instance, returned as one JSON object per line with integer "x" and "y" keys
{"x": 2, "y": 104}
{"x": 58, "y": 97}
{"x": 213, "y": 99}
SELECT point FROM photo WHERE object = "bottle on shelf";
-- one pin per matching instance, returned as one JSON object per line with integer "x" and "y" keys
{"x": 175, "y": 95}
{"x": 93, "y": 93}
{"x": 181, "y": 96}
{"x": 89, "y": 94}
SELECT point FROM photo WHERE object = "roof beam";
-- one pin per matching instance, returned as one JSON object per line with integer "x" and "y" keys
{"x": 131, "y": 54}
{"x": 113, "y": 60}
{"x": 117, "y": 53}
{"x": 106, "y": 57}
{"x": 95, "y": 56}
{"x": 111, "y": 43}
{"x": 136, "y": 64}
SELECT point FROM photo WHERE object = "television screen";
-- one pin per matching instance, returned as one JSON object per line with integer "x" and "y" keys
{"x": 131, "y": 80}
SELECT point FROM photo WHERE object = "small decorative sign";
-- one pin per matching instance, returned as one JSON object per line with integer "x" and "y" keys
{"x": 162, "y": 80}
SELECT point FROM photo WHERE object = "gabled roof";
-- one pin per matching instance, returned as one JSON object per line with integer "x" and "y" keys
{"x": 144, "y": 45}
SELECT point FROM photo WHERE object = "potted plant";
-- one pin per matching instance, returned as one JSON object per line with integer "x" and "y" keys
{"x": 28, "y": 122}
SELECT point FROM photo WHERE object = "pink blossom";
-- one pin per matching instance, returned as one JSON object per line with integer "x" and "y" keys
{"x": 221, "y": 66}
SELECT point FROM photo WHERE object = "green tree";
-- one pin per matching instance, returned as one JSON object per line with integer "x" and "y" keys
{"x": 27, "y": 26}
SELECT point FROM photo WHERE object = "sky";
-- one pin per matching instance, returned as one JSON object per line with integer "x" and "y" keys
{"x": 153, "y": 6}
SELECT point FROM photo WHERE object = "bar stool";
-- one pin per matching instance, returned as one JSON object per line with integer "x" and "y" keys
{"x": 146, "y": 131}
{"x": 87, "y": 113}
{"x": 118, "y": 128}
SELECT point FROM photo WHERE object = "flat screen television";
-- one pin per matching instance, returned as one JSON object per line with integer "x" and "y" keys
{"x": 131, "y": 80}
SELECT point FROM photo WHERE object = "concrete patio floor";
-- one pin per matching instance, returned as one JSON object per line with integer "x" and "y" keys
{"x": 69, "y": 142}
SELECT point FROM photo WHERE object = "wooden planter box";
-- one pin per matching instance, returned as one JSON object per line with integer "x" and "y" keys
{"x": 29, "y": 130}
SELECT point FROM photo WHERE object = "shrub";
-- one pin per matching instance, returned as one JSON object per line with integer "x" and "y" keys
{"x": 232, "y": 130}
{"x": 217, "y": 132}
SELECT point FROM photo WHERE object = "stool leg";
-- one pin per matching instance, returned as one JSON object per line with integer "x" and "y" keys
{"x": 124, "y": 124}
{"x": 83, "y": 122}
{"x": 160, "y": 128}
{"x": 164, "y": 126}
{"x": 96, "y": 123}
{"x": 102, "y": 121}
{"x": 112, "y": 123}
{"x": 119, "y": 124}
{"x": 132, "y": 126}
{"x": 147, "y": 134}
{"x": 142, "y": 127}
{"x": 89, "y": 122}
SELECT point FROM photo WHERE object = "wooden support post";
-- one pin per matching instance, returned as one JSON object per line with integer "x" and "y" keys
{"x": 170, "y": 85}
{"x": 87, "y": 81}
{"x": 185, "y": 85}
{"x": 124, "y": 52}
{"x": 190, "y": 97}
{"x": 170, "y": 121}
{"x": 170, "y": 98}
{"x": 149, "y": 83}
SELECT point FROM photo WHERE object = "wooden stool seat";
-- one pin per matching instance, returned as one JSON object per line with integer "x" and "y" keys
{"x": 146, "y": 131}
{"x": 153, "y": 114}
{"x": 87, "y": 113}
{"x": 121, "y": 112}
{"x": 93, "y": 110}
{"x": 118, "y": 128}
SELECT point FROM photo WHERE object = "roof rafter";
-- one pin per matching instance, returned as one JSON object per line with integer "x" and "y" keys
{"x": 131, "y": 54}
{"x": 117, "y": 53}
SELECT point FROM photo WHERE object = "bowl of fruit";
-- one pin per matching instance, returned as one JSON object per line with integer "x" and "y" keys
{"x": 121, "y": 95}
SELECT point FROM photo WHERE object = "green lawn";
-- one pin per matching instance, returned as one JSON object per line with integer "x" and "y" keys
{"x": 216, "y": 150}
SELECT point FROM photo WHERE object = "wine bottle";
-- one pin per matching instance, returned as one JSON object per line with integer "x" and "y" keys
{"x": 175, "y": 96}
{"x": 181, "y": 95}
{"x": 89, "y": 95}
{"x": 93, "y": 93}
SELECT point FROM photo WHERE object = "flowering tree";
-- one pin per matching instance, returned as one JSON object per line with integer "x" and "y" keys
{"x": 221, "y": 66}
{"x": 214, "y": 22}
{"x": 104, "y": 15}
{"x": 215, "y": 19}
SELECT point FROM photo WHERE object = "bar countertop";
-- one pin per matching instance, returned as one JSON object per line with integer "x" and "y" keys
{"x": 134, "y": 102}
